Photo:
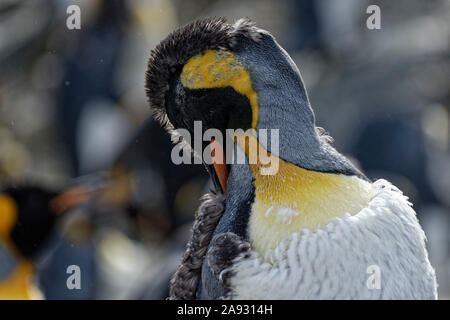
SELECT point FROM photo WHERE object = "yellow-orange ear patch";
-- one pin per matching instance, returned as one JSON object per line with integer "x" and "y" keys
{"x": 8, "y": 214}
{"x": 220, "y": 68}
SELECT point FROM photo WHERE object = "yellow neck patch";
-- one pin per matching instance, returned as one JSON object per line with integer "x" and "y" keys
{"x": 19, "y": 285}
{"x": 294, "y": 198}
{"x": 220, "y": 68}
{"x": 8, "y": 215}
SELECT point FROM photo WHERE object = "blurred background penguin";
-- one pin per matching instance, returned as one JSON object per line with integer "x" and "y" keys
{"x": 26, "y": 223}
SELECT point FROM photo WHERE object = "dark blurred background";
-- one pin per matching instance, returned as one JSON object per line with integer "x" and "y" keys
{"x": 73, "y": 115}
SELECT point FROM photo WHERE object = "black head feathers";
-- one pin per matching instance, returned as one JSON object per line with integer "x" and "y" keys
{"x": 175, "y": 50}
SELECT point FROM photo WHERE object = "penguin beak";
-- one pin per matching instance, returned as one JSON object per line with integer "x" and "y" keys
{"x": 69, "y": 199}
{"x": 218, "y": 170}
{"x": 111, "y": 187}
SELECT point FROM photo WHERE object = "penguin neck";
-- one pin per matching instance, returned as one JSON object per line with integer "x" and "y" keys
{"x": 282, "y": 103}
{"x": 296, "y": 199}
{"x": 299, "y": 141}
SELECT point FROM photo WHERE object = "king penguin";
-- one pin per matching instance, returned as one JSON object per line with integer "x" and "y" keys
{"x": 314, "y": 228}
{"x": 26, "y": 222}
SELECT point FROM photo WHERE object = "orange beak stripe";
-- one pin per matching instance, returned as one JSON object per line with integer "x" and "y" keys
{"x": 218, "y": 157}
{"x": 69, "y": 198}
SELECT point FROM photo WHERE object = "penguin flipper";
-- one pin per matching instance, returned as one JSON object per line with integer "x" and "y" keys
{"x": 185, "y": 281}
{"x": 216, "y": 271}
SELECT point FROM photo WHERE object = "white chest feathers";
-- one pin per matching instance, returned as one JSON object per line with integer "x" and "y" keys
{"x": 378, "y": 253}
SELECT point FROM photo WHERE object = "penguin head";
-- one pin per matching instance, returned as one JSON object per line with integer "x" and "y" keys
{"x": 27, "y": 217}
{"x": 236, "y": 76}
{"x": 182, "y": 79}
